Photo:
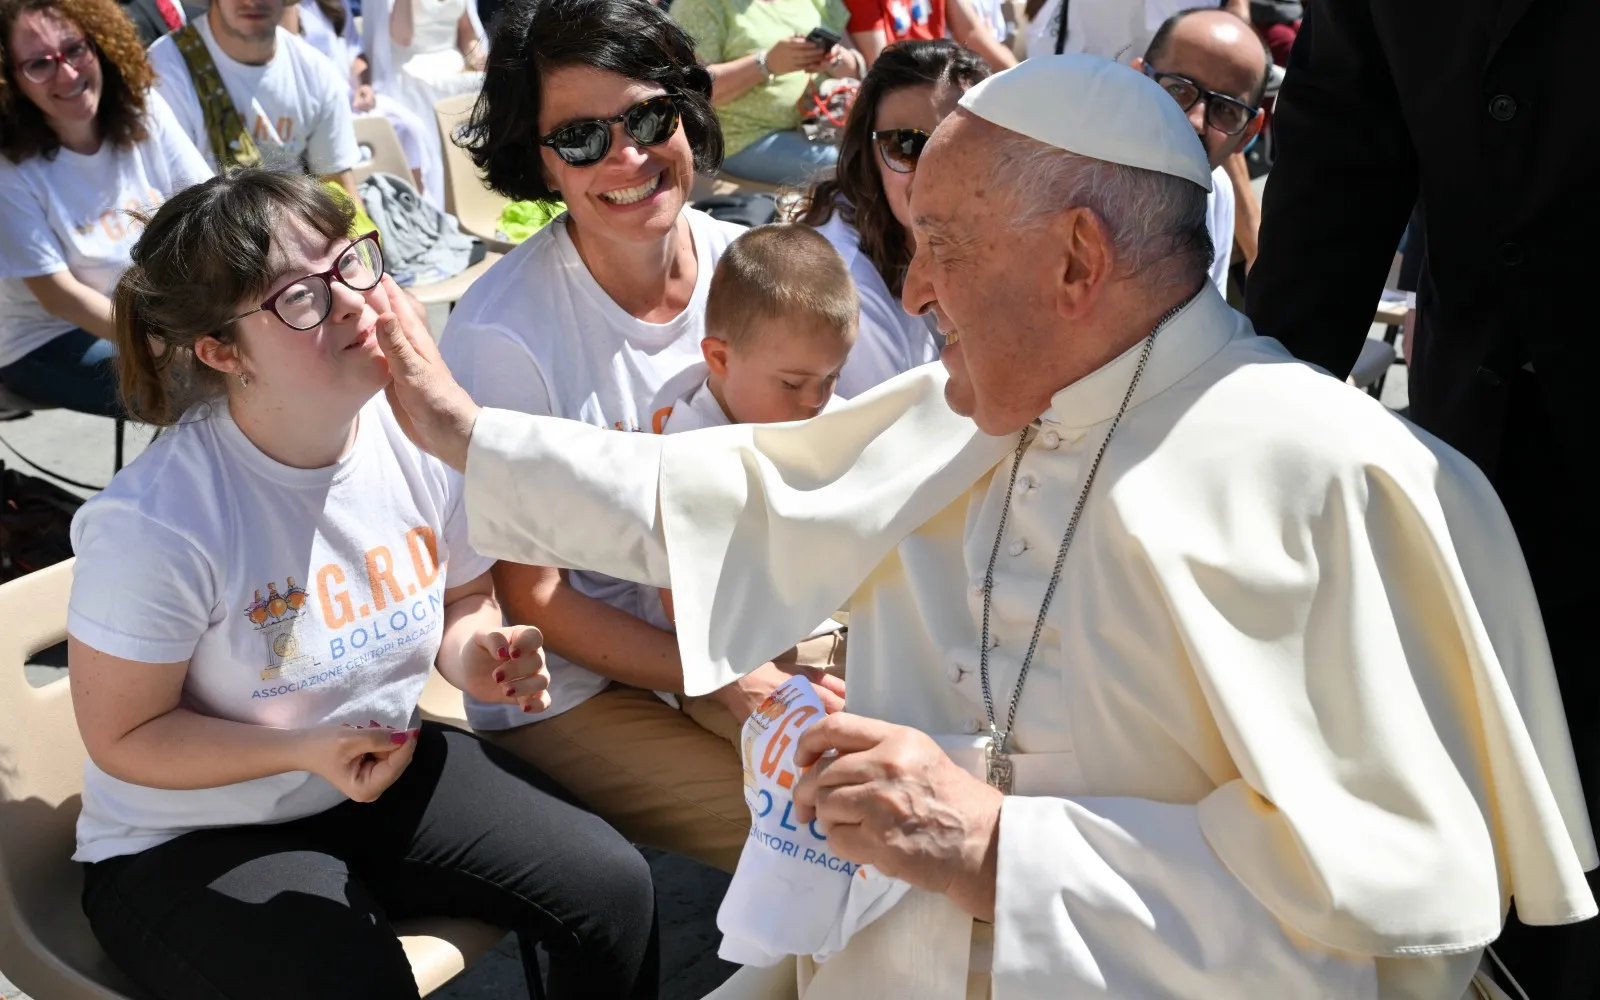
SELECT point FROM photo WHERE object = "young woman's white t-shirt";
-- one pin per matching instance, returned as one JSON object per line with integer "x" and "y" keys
{"x": 70, "y": 214}
{"x": 538, "y": 334}
{"x": 888, "y": 341}
{"x": 300, "y": 598}
{"x": 296, "y": 106}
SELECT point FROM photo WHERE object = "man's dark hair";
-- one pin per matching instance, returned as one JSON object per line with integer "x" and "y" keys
{"x": 1157, "y": 48}
{"x": 530, "y": 38}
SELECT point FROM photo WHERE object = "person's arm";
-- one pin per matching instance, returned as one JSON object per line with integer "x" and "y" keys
{"x": 732, "y": 79}
{"x": 135, "y": 730}
{"x": 870, "y": 44}
{"x": 345, "y": 179}
{"x": 1343, "y": 183}
{"x": 290, "y": 21}
{"x": 467, "y": 43}
{"x": 66, "y": 298}
{"x": 402, "y": 22}
{"x": 1246, "y": 209}
{"x": 331, "y": 148}
{"x": 973, "y": 31}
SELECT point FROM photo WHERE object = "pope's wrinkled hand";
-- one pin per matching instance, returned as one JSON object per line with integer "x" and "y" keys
{"x": 892, "y": 799}
{"x": 431, "y": 407}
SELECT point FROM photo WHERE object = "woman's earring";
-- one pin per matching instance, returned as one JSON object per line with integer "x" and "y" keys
{"x": 244, "y": 380}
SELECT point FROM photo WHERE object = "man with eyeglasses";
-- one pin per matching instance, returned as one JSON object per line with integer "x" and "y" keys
{"x": 1216, "y": 68}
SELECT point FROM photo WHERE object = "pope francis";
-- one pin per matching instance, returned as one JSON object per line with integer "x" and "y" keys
{"x": 1177, "y": 668}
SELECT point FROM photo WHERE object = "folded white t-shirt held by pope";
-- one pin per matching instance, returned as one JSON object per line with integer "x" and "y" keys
{"x": 791, "y": 895}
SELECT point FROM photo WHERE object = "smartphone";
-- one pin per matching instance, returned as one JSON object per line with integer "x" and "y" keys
{"x": 824, "y": 39}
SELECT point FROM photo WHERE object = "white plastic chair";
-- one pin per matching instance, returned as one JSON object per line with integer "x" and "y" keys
{"x": 46, "y": 946}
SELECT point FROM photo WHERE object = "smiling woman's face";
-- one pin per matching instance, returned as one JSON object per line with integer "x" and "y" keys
{"x": 636, "y": 193}
{"x": 72, "y": 94}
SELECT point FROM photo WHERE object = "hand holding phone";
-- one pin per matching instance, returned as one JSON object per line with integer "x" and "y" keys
{"x": 823, "y": 38}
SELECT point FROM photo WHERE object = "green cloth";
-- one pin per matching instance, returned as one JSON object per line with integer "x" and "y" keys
{"x": 725, "y": 30}
{"x": 521, "y": 219}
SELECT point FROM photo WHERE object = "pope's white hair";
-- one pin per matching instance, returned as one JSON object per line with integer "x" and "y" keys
{"x": 1157, "y": 222}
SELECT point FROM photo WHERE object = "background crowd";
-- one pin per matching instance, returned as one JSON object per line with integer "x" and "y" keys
{"x": 814, "y": 111}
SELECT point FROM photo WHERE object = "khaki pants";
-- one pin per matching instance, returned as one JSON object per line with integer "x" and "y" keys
{"x": 664, "y": 777}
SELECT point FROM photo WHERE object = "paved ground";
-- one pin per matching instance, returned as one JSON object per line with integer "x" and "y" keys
{"x": 80, "y": 447}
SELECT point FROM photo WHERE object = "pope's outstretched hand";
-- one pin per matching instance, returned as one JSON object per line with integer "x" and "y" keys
{"x": 432, "y": 408}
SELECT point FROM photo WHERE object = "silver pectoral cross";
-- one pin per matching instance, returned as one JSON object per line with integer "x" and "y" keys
{"x": 997, "y": 765}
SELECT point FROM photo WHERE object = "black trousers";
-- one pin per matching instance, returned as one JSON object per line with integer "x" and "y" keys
{"x": 1554, "y": 521}
{"x": 303, "y": 909}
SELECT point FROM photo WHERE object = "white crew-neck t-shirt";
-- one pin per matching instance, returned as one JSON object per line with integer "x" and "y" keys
{"x": 1219, "y": 222}
{"x": 297, "y": 105}
{"x": 70, "y": 214}
{"x": 300, "y": 598}
{"x": 538, "y": 334}
{"x": 888, "y": 341}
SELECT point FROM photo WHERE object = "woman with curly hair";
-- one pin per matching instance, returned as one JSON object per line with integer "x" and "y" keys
{"x": 865, "y": 209}
{"x": 84, "y": 141}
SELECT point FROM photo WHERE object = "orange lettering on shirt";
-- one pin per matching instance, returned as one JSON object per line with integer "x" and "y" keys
{"x": 262, "y": 128}
{"x": 424, "y": 555}
{"x": 780, "y": 740}
{"x": 111, "y": 222}
{"x": 285, "y": 127}
{"x": 328, "y": 577}
{"x": 658, "y": 422}
{"x": 380, "y": 574}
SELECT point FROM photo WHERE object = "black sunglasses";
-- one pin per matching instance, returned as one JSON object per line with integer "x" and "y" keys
{"x": 901, "y": 148}
{"x": 305, "y": 302}
{"x": 648, "y": 123}
{"x": 1227, "y": 115}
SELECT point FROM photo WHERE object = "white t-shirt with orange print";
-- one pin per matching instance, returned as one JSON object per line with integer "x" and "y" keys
{"x": 300, "y": 598}
{"x": 537, "y": 334}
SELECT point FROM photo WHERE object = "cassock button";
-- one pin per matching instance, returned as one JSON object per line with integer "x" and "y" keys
{"x": 975, "y": 726}
{"x": 1502, "y": 107}
{"x": 1050, "y": 440}
{"x": 977, "y": 588}
{"x": 956, "y": 673}
{"x": 1018, "y": 547}
{"x": 1027, "y": 483}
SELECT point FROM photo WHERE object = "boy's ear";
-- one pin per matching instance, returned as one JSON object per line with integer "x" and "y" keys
{"x": 715, "y": 351}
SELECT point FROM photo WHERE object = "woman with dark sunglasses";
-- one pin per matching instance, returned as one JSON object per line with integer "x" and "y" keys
{"x": 84, "y": 139}
{"x": 258, "y": 602}
{"x": 865, "y": 209}
{"x": 598, "y": 317}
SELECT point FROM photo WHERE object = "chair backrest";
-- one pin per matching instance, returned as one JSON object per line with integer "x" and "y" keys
{"x": 379, "y": 137}
{"x": 41, "y": 768}
{"x": 466, "y": 196}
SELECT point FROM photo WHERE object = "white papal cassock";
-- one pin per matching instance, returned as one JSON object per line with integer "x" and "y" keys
{"x": 1292, "y": 729}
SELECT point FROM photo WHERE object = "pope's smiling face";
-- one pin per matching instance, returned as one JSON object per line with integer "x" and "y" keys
{"x": 991, "y": 286}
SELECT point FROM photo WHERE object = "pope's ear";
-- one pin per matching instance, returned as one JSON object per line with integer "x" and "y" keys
{"x": 1087, "y": 261}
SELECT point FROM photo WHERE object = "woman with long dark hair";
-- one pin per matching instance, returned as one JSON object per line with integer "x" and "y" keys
{"x": 865, "y": 208}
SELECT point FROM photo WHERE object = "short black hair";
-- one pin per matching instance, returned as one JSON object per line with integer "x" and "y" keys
{"x": 1163, "y": 36}
{"x": 529, "y": 38}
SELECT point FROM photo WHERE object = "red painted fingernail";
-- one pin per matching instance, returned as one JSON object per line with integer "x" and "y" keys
{"x": 398, "y": 738}
{"x": 515, "y": 652}
{"x": 511, "y": 692}
{"x": 505, "y": 654}
{"x": 375, "y": 724}
{"x": 527, "y": 708}
{"x": 414, "y": 733}
{"x": 499, "y": 676}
